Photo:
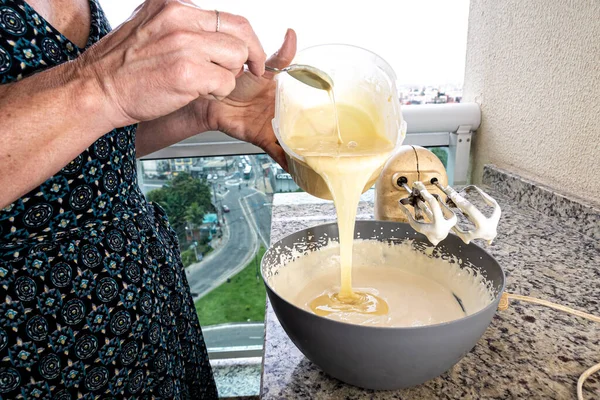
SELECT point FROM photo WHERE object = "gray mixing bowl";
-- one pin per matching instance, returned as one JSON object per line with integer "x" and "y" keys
{"x": 380, "y": 357}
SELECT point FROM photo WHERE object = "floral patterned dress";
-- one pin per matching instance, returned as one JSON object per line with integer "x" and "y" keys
{"x": 94, "y": 302}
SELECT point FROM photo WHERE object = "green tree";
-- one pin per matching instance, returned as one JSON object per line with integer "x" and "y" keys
{"x": 441, "y": 153}
{"x": 188, "y": 257}
{"x": 179, "y": 195}
{"x": 194, "y": 214}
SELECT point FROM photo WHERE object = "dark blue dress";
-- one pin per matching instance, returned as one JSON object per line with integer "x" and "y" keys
{"x": 94, "y": 302}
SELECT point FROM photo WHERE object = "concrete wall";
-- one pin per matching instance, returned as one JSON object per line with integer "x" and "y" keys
{"x": 534, "y": 68}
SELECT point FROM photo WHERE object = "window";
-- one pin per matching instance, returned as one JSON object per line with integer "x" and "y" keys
{"x": 220, "y": 208}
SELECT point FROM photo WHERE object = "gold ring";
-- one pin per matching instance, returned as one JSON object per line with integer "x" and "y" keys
{"x": 218, "y": 20}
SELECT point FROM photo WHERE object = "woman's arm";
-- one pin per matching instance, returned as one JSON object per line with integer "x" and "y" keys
{"x": 45, "y": 122}
{"x": 164, "y": 57}
{"x": 162, "y": 132}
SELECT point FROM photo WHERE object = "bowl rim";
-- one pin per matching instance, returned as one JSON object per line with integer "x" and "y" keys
{"x": 407, "y": 328}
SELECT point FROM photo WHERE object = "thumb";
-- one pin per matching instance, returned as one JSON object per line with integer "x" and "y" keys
{"x": 286, "y": 53}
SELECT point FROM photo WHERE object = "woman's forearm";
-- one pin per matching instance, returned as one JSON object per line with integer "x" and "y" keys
{"x": 157, "y": 134}
{"x": 46, "y": 120}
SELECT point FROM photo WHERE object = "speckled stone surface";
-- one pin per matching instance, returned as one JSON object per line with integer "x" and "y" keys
{"x": 237, "y": 378}
{"x": 528, "y": 352}
{"x": 573, "y": 212}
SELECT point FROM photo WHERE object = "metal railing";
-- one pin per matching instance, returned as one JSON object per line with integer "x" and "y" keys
{"x": 430, "y": 125}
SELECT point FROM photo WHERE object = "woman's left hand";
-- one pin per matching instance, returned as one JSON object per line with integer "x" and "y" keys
{"x": 247, "y": 112}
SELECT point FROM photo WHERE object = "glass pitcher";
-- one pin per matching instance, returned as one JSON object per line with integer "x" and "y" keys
{"x": 361, "y": 79}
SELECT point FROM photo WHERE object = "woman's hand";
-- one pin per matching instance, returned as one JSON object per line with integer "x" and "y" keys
{"x": 168, "y": 55}
{"x": 148, "y": 69}
{"x": 247, "y": 112}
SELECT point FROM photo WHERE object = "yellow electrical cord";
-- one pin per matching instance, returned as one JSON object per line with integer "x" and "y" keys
{"x": 503, "y": 305}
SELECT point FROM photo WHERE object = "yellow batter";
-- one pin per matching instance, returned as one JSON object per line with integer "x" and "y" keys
{"x": 417, "y": 289}
{"x": 346, "y": 167}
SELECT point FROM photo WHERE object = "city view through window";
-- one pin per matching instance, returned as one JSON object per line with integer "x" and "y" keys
{"x": 220, "y": 208}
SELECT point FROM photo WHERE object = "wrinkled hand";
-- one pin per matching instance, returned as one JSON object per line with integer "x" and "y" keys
{"x": 247, "y": 112}
{"x": 166, "y": 56}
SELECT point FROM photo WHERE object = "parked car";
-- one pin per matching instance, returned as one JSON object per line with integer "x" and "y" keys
{"x": 225, "y": 208}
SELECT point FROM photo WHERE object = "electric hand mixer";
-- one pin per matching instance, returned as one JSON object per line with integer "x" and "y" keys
{"x": 415, "y": 179}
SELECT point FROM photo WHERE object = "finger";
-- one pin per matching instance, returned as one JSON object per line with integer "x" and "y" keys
{"x": 286, "y": 53}
{"x": 177, "y": 15}
{"x": 215, "y": 80}
{"x": 225, "y": 50}
{"x": 240, "y": 27}
{"x": 149, "y": 6}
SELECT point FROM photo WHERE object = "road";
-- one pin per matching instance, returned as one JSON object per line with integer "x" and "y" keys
{"x": 258, "y": 205}
{"x": 234, "y": 335}
{"x": 248, "y": 224}
{"x": 244, "y": 203}
{"x": 147, "y": 185}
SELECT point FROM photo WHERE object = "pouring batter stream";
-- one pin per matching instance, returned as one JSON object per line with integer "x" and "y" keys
{"x": 346, "y": 162}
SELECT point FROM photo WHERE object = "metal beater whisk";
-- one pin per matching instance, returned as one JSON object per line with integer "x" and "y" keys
{"x": 433, "y": 218}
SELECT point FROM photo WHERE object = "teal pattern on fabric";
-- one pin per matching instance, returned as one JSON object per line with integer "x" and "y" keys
{"x": 94, "y": 301}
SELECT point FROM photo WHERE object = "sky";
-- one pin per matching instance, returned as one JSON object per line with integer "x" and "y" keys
{"x": 423, "y": 40}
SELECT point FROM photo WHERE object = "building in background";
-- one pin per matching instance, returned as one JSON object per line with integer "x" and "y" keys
{"x": 216, "y": 164}
{"x": 281, "y": 181}
{"x": 442, "y": 94}
{"x": 181, "y": 164}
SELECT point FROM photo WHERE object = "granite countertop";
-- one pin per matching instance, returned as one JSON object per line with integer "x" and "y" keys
{"x": 529, "y": 351}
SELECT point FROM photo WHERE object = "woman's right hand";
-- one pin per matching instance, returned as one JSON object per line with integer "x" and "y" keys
{"x": 166, "y": 55}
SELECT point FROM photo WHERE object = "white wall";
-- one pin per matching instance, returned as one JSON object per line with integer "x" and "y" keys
{"x": 534, "y": 67}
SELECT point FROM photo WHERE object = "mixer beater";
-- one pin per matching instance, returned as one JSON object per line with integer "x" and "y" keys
{"x": 425, "y": 209}
{"x": 441, "y": 222}
{"x": 433, "y": 218}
